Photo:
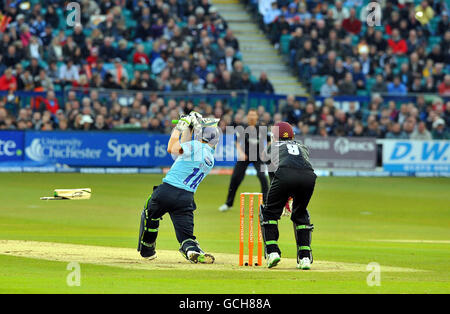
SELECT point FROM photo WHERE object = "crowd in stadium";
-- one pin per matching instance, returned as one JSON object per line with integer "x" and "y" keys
{"x": 186, "y": 46}
{"x": 408, "y": 52}
{"x": 142, "y": 45}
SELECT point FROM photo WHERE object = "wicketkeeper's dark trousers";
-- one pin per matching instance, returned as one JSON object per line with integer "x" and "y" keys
{"x": 298, "y": 184}
{"x": 287, "y": 182}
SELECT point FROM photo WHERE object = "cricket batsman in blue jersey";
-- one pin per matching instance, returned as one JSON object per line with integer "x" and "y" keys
{"x": 176, "y": 194}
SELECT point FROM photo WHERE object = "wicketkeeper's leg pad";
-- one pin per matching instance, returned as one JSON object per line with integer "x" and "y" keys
{"x": 303, "y": 238}
{"x": 270, "y": 233}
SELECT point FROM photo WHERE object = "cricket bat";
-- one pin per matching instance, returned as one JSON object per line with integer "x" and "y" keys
{"x": 204, "y": 121}
{"x": 69, "y": 194}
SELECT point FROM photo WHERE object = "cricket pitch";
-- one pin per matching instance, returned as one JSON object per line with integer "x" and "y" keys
{"x": 130, "y": 258}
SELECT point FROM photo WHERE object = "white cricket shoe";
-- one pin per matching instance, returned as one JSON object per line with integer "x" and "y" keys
{"x": 305, "y": 263}
{"x": 273, "y": 259}
{"x": 224, "y": 208}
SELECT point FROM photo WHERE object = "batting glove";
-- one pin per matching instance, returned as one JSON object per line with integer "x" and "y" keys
{"x": 184, "y": 122}
{"x": 196, "y": 120}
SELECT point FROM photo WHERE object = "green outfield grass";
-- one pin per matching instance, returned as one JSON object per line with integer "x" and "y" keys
{"x": 395, "y": 222}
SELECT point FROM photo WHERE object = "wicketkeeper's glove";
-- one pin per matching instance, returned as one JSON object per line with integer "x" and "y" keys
{"x": 287, "y": 211}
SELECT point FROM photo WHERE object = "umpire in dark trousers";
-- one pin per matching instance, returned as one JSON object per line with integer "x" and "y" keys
{"x": 250, "y": 153}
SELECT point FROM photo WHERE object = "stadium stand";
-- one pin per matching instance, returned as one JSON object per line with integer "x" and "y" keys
{"x": 334, "y": 52}
{"x": 138, "y": 64}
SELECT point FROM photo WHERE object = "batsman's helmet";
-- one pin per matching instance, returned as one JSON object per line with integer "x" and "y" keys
{"x": 209, "y": 134}
{"x": 282, "y": 131}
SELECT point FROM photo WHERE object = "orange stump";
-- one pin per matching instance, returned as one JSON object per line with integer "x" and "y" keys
{"x": 251, "y": 234}
{"x": 250, "y": 230}
{"x": 241, "y": 232}
{"x": 260, "y": 239}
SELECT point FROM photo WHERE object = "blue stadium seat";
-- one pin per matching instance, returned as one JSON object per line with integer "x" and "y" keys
{"x": 284, "y": 43}
{"x": 434, "y": 40}
{"x": 402, "y": 59}
{"x": 141, "y": 67}
{"x": 317, "y": 83}
{"x": 369, "y": 83}
{"x": 129, "y": 68}
{"x": 148, "y": 46}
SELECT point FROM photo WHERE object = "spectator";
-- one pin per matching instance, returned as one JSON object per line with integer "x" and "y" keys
{"x": 424, "y": 13}
{"x": 100, "y": 124}
{"x": 51, "y": 17}
{"x": 329, "y": 89}
{"x": 292, "y": 112}
{"x": 34, "y": 68}
{"x": 398, "y": 45}
{"x": 430, "y": 86}
{"x": 140, "y": 57}
{"x": 444, "y": 87}
{"x": 12, "y": 57}
{"x": 347, "y": 87}
{"x": 201, "y": 70}
{"x": 195, "y": 86}
{"x": 421, "y": 133}
{"x": 189, "y": 41}
{"x": 8, "y": 81}
{"x": 107, "y": 50}
{"x": 380, "y": 85}
{"x": 397, "y": 87}
{"x": 229, "y": 59}
{"x": 443, "y": 25}
{"x": 264, "y": 85}
{"x": 396, "y": 132}
{"x": 44, "y": 80}
{"x": 358, "y": 130}
{"x": 271, "y": 14}
{"x": 108, "y": 26}
{"x": 225, "y": 83}
{"x": 123, "y": 51}
{"x": 86, "y": 122}
{"x": 68, "y": 73}
{"x": 143, "y": 32}
{"x": 340, "y": 13}
{"x": 409, "y": 126}
{"x": 358, "y": 76}
{"x": 352, "y": 24}
{"x": 439, "y": 130}
{"x": 50, "y": 103}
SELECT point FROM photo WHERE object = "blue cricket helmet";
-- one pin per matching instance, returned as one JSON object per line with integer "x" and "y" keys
{"x": 209, "y": 134}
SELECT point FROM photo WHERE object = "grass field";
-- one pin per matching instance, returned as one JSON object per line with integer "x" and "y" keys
{"x": 403, "y": 224}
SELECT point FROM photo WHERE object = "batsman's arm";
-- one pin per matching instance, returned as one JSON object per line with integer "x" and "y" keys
{"x": 186, "y": 136}
{"x": 174, "y": 145}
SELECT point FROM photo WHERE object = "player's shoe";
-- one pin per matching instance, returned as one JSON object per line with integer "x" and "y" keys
{"x": 273, "y": 259}
{"x": 197, "y": 257}
{"x": 224, "y": 208}
{"x": 305, "y": 263}
{"x": 148, "y": 252}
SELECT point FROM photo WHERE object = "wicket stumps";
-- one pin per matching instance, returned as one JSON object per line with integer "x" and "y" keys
{"x": 250, "y": 229}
